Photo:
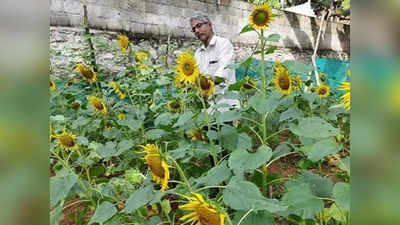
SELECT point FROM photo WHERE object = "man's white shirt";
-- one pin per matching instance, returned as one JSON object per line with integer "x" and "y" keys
{"x": 212, "y": 61}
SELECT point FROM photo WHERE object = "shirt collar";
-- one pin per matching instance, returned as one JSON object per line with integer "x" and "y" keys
{"x": 212, "y": 42}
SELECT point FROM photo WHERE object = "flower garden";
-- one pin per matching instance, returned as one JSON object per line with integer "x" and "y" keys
{"x": 141, "y": 147}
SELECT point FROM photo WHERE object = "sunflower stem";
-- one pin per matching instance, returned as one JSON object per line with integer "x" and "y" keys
{"x": 181, "y": 173}
{"x": 264, "y": 91}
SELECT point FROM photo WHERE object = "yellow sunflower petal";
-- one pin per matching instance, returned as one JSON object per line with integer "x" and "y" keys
{"x": 282, "y": 79}
{"x": 123, "y": 42}
{"x": 261, "y": 17}
{"x": 323, "y": 90}
{"x": 187, "y": 69}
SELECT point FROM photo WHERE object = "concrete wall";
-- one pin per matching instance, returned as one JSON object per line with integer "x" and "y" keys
{"x": 158, "y": 18}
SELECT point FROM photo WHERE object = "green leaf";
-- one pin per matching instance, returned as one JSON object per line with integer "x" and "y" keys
{"x": 183, "y": 119}
{"x": 302, "y": 202}
{"x": 241, "y": 160}
{"x": 56, "y": 215}
{"x": 213, "y": 135}
{"x": 244, "y": 142}
{"x": 292, "y": 112}
{"x": 228, "y": 116}
{"x": 131, "y": 123}
{"x": 58, "y": 118}
{"x": 60, "y": 187}
{"x": 216, "y": 175}
{"x": 320, "y": 187}
{"x": 344, "y": 164}
{"x": 236, "y": 86}
{"x": 262, "y": 105}
{"x": 229, "y": 137}
{"x": 164, "y": 119}
{"x": 245, "y": 63}
{"x": 138, "y": 198}
{"x": 246, "y": 28}
{"x": 241, "y": 195}
{"x": 271, "y": 50}
{"x": 244, "y": 195}
{"x": 314, "y": 127}
{"x": 323, "y": 148}
{"x": 273, "y": 37}
{"x": 81, "y": 121}
{"x": 341, "y": 193}
{"x": 154, "y": 134}
{"x": 123, "y": 146}
{"x": 104, "y": 212}
{"x": 255, "y": 218}
{"x": 337, "y": 213}
{"x": 106, "y": 150}
{"x": 81, "y": 140}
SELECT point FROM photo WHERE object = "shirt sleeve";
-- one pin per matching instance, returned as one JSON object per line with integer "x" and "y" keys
{"x": 226, "y": 57}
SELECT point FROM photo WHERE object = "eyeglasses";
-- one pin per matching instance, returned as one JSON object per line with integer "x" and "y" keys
{"x": 198, "y": 26}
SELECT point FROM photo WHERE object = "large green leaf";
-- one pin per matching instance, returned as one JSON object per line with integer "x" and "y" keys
{"x": 244, "y": 142}
{"x": 314, "y": 127}
{"x": 154, "y": 134}
{"x": 104, "y": 212}
{"x": 246, "y": 28}
{"x": 320, "y": 187}
{"x": 216, "y": 175}
{"x": 229, "y": 137}
{"x": 139, "y": 198}
{"x": 273, "y": 37}
{"x": 164, "y": 119}
{"x": 183, "y": 119}
{"x": 302, "y": 202}
{"x": 265, "y": 105}
{"x": 292, "y": 112}
{"x": 131, "y": 123}
{"x": 123, "y": 146}
{"x": 344, "y": 164}
{"x": 323, "y": 148}
{"x": 107, "y": 150}
{"x": 341, "y": 193}
{"x": 56, "y": 215}
{"x": 60, "y": 185}
{"x": 228, "y": 116}
{"x": 241, "y": 160}
{"x": 241, "y": 195}
{"x": 244, "y": 195}
{"x": 254, "y": 218}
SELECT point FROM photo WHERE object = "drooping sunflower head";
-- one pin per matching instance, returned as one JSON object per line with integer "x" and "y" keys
{"x": 70, "y": 82}
{"x": 323, "y": 90}
{"x": 98, "y": 105}
{"x": 187, "y": 68}
{"x": 345, "y": 99}
{"x": 175, "y": 106}
{"x": 141, "y": 56}
{"x": 203, "y": 212}
{"x": 123, "y": 42}
{"x": 196, "y": 135}
{"x": 52, "y": 85}
{"x": 67, "y": 140}
{"x": 121, "y": 116}
{"x": 206, "y": 86}
{"x": 86, "y": 72}
{"x": 282, "y": 79}
{"x": 158, "y": 166}
{"x": 261, "y": 17}
{"x": 249, "y": 84}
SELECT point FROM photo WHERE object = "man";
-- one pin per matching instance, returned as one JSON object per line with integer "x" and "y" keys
{"x": 212, "y": 57}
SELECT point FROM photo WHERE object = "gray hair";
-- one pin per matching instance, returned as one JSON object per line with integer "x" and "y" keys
{"x": 200, "y": 17}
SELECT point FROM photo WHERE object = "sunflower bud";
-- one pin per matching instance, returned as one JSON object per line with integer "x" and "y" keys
{"x": 75, "y": 105}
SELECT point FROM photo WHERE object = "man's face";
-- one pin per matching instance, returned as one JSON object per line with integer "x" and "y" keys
{"x": 201, "y": 30}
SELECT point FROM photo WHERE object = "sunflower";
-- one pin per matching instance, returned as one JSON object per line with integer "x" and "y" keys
{"x": 121, "y": 116}
{"x": 206, "y": 86}
{"x": 143, "y": 66}
{"x": 123, "y": 42}
{"x": 175, "y": 106}
{"x": 52, "y": 136}
{"x": 118, "y": 91}
{"x": 86, "y": 72}
{"x": 98, "y": 105}
{"x": 187, "y": 69}
{"x": 345, "y": 99}
{"x": 141, "y": 56}
{"x": 248, "y": 84}
{"x": 52, "y": 85}
{"x": 203, "y": 212}
{"x": 323, "y": 90}
{"x": 261, "y": 17}
{"x": 70, "y": 82}
{"x": 159, "y": 167}
{"x": 196, "y": 135}
{"x": 67, "y": 139}
{"x": 282, "y": 79}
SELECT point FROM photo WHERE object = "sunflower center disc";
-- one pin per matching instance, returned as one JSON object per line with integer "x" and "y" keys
{"x": 155, "y": 165}
{"x": 260, "y": 17}
{"x": 207, "y": 217}
{"x": 188, "y": 69}
{"x": 205, "y": 85}
{"x": 284, "y": 83}
{"x": 67, "y": 140}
